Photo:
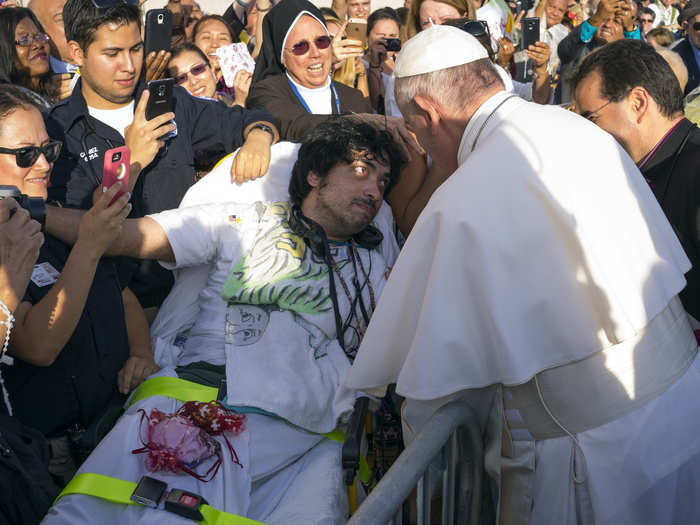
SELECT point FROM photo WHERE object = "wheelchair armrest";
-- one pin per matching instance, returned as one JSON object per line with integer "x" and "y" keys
{"x": 353, "y": 440}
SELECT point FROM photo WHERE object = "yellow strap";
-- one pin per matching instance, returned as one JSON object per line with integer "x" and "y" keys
{"x": 184, "y": 390}
{"x": 364, "y": 472}
{"x": 119, "y": 491}
{"x": 99, "y": 486}
{"x": 173, "y": 387}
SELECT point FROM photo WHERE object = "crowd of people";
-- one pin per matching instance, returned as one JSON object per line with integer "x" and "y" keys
{"x": 420, "y": 212}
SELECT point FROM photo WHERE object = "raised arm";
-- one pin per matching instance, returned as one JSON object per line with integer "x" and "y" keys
{"x": 43, "y": 329}
{"x": 139, "y": 238}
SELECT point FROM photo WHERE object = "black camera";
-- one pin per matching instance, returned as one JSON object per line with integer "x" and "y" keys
{"x": 392, "y": 44}
{"x": 34, "y": 205}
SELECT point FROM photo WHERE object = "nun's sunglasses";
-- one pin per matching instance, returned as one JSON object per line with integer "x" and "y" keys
{"x": 28, "y": 155}
{"x": 301, "y": 48}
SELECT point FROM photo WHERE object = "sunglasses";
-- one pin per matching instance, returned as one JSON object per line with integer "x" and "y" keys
{"x": 27, "y": 40}
{"x": 28, "y": 155}
{"x": 476, "y": 28}
{"x": 696, "y": 26}
{"x": 646, "y": 20}
{"x": 195, "y": 70}
{"x": 301, "y": 48}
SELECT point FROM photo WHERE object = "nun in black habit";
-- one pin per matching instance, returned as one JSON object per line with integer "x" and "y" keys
{"x": 292, "y": 74}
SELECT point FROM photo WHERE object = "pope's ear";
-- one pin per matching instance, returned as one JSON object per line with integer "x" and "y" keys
{"x": 430, "y": 110}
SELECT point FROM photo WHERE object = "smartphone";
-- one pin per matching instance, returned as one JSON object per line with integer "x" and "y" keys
{"x": 116, "y": 169}
{"x": 160, "y": 98}
{"x": 530, "y": 32}
{"x": 357, "y": 30}
{"x": 159, "y": 30}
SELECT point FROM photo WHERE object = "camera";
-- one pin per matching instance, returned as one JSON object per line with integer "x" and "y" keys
{"x": 392, "y": 44}
{"x": 34, "y": 205}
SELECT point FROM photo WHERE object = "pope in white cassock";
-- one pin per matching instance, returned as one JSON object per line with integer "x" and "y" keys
{"x": 542, "y": 289}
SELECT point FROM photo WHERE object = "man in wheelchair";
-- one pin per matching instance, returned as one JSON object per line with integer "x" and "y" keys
{"x": 289, "y": 293}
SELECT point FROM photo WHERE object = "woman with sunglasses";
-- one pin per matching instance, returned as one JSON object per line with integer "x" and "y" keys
{"x": 24, "y": 53}
{"x": 191, "y": 69}
{"x": 69, "y": 341}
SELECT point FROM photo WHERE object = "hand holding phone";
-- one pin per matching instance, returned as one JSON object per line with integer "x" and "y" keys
{"x": 530, "y": 32}
{"x": 116, "y": 169}
{"x": 159, "y": 30}
{"x": 143, "y": 135}
{"x": 357, "y": 30}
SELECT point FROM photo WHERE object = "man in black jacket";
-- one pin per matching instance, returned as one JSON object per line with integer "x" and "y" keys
{"x": 689, "y": 47}
{"x": 107, "y": 110}
{"x": 647, "y": 120}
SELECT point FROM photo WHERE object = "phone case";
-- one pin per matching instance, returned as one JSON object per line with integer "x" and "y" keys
{"x": 159, "y": 30}
{"x": 531, "y": 32}
{"x": 357, "y": 29}
{"x": 160, "y": 99}
{"x": 116, "y": 168}
{"x": 233, "y": 58}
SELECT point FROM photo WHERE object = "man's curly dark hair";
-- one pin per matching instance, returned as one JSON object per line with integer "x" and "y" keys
{"x": 342, "y": 141}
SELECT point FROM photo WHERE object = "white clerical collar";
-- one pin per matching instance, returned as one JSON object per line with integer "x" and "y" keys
{"x": 477, "y": 121}
{"x": 310, "y": 91}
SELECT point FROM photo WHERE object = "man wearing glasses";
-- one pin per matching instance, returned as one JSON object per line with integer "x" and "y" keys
{"x": 646, "y": 20}
{"x": 647, "y": 120}
{"x": 107, "y": 110}
{"x": 689, "y": 47}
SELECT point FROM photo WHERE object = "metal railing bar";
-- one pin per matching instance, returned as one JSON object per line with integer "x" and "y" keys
{"x": 402, "y": 477}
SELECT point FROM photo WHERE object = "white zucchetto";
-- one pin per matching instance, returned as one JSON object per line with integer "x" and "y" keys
{"x": 436, "y": 48}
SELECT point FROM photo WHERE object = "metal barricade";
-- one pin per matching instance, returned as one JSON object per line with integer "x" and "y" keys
{"x": 437, "y": 442}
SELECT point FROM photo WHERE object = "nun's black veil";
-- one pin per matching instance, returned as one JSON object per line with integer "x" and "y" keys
{"x": 274, "y": 28}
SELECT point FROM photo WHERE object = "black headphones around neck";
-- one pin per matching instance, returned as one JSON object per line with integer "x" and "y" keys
{"x": 315, "y": 236}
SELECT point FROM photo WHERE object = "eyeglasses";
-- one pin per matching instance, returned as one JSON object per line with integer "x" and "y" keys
{"x": 26, "y": 40}
{"x": 28, "y": 155}
{"x": 195, "y": 70}
{"x": 590, "y": 114}
{"x": 696, "y": 26}
{"x": 103, "y": 5}
{"x": 301, "y": 48}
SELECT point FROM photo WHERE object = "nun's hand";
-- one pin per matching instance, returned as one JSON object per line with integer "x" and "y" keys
{"x": 253, "y": 159}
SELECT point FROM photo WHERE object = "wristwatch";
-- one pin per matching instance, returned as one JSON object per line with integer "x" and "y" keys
{"x": 264, "y": 127}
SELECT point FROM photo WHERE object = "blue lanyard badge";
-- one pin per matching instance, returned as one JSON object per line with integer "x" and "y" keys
{"x": 306, "y": 106}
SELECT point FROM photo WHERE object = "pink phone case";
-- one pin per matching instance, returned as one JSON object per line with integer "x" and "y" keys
{"x": 116, "y": 168}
